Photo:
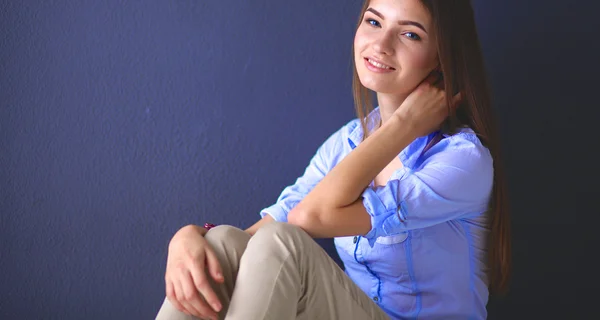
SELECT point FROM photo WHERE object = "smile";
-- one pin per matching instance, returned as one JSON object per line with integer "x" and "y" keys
{"x": 376, "y": 66}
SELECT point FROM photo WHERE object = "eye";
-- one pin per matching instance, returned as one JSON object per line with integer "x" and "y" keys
{"x": 373, "y": 22}
{"x": 412, "y": 36}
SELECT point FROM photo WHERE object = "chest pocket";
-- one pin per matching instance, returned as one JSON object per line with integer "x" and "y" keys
{"x": 388, "y": 257}
{"x": 397, "y": 238}
{"x": 347, "y": 244}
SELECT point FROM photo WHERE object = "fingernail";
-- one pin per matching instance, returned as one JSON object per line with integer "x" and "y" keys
{"x": 217, "y": 307}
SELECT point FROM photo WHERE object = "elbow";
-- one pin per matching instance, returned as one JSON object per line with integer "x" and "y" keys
{"x": 303, "y": 217}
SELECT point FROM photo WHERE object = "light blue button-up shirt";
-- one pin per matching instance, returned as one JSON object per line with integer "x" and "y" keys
{"x": 425, "y": 256}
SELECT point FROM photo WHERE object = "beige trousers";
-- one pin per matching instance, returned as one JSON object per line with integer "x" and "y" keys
{"x": 280, "y": 273}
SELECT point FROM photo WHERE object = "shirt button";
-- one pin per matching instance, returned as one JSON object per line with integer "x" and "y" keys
{"x": 355, "y": 239}
{"x": 375, "y": 299}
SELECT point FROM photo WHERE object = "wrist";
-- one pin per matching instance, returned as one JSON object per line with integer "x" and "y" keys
{"x": 182, "y": 235}
{"x": 193, "y": 229}
{"x": 402, "y": 125}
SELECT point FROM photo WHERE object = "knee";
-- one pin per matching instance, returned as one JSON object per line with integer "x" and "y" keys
{"x": 276, "y": 228}
{"x": 227, "y": 236}
{"x": 272, "y": 235}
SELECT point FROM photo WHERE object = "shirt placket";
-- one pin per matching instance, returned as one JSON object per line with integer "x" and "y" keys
{"x": 362, "y": 252}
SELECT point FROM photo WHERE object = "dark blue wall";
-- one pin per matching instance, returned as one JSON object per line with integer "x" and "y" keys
{"x": 122, "y": 121}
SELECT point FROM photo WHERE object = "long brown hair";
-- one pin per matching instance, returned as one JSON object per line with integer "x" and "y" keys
{"x": 462, "y": 64}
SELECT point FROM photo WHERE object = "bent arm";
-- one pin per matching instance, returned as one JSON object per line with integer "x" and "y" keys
{"x": 333, "y": 207}
{"x": 453, "y": 183}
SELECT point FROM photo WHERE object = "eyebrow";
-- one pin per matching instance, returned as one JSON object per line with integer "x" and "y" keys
{"x": 401, "y": 22}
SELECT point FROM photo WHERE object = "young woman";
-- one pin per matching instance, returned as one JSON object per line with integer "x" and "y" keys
{"x": 412, "y": 191}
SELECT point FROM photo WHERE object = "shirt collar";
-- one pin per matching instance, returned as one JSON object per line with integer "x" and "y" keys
{"x": 408, "y": 156}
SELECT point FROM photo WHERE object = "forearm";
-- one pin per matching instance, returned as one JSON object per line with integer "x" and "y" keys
{"x": 340, "y": 222}
{"x": 344, "y": 184}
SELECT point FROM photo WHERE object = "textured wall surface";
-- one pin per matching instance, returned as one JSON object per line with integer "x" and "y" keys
{"x": 125, "y": 120}
{"x": 121, "y": 121}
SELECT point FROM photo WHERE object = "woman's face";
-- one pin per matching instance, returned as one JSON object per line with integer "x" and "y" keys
{"x": 395, "y": 46}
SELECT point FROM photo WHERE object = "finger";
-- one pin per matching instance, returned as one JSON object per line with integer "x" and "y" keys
{"x": 179, "y": 295}
{"x": 214, "y": 267}
{"x": 432, "y": 78}
{"x": 172, "y": 296}
{"x": 202, "y": 284}
{"x": 194, "y": 299}
{"x": 185, "y": 298}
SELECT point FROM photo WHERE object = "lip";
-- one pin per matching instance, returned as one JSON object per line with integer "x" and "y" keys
{"x": 377, "y": 69}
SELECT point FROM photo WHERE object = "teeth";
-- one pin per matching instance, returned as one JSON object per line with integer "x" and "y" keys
{"x": 379, "y": 65}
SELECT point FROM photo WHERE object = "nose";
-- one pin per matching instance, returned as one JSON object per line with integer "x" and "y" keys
{"x": 383, "y": 44}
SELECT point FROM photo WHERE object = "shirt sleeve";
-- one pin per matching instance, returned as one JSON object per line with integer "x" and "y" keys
{"x": 453, "y": 182}
{"x": 317, "y": 169}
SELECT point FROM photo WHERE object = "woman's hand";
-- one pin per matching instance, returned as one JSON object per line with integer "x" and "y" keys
{"x": 425, "y": 108}
{"x": 187, "y": 285}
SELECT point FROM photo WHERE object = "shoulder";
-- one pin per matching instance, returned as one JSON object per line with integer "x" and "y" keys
{"x": 337, "y": 145}
{"x": 465, "y": 141}
{"x": 339, "y": 138}
{"x": 352, "y": 126}
{"x": 463, "y": 149}
{"x": 464, "y": 164}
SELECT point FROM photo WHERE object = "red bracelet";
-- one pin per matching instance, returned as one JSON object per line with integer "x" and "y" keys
{"x": 209, "y": 226}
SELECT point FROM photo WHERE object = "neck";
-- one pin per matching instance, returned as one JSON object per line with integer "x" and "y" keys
{"x": 388, "y": 104}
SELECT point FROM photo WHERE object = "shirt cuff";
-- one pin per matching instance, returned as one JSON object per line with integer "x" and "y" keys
{"x": 383, "y": 212}
{"x": 278, "y": 213}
